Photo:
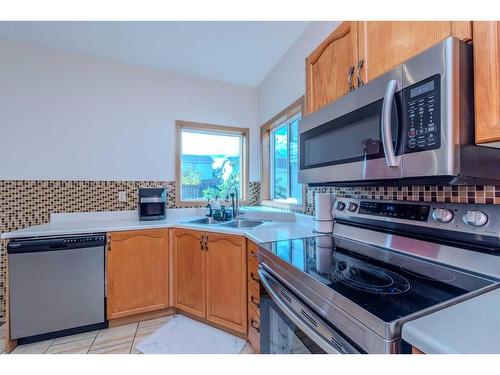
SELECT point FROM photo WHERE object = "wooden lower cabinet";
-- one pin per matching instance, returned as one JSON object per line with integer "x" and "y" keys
{"x": 254, "y": 288}
{"x": 189, "y": 272}
{"x": 210, "y": 277}
{"x": 137, "y": 272}
{"x": 226, "y": 263}
{"x": 254, "y": 328}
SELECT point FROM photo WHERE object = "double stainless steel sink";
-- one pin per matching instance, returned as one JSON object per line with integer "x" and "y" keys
{"x": 236, "y": 223}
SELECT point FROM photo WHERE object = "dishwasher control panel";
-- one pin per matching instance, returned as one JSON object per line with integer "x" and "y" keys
{"x": 27, "y": 245}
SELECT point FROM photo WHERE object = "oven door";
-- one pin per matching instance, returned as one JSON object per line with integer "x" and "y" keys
{"x": 357, "y": 137}
{"x": 288, "y": 326}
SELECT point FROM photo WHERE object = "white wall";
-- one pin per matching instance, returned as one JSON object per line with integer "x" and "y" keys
{"x": 286, "y": 82}
{"x": 72, "y": 117}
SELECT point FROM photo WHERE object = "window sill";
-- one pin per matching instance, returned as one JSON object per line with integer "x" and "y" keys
{"x": 281, "y": 204}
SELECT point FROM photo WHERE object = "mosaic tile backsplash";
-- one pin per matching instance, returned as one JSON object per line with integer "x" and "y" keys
{"x": 452, "y": 194}
{"x": 27, "y": 203}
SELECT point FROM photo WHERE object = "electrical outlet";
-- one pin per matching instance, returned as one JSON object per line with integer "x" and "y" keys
{"x": 122, "y": 196}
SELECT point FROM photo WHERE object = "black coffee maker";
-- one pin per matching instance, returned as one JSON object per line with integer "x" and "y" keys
{"x": 152, "y": 203}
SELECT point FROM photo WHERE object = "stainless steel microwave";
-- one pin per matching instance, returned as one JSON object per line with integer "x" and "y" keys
{"x": 414, "y": 124}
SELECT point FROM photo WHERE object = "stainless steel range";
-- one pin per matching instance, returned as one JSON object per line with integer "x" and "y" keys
{"x": 385, "y": 264}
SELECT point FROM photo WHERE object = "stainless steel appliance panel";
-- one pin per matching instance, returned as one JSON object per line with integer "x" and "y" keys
{"x": 369, "y": 168}
{"x": 55, "y": 290}
{"x": 444, "y": 59}
{"x": 299, "y": 330}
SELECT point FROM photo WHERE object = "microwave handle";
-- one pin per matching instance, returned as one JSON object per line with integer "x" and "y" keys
{"x": 385, "y": 124}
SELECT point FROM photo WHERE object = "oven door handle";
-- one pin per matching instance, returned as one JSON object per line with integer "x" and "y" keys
{"x": 304, "y": 327}
{"x": 386, "y": 126}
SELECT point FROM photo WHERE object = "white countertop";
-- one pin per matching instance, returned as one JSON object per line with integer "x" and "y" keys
{"x": 469, "y": 327}
{"x": 283, "y": 225}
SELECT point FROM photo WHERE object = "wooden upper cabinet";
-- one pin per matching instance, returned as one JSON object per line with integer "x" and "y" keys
{"x": 327, "y": 67}
{"x": 226, "y": 263}
{"x": 383, "y": 45}
{"x": 137, "y": 272}
{"x": 189, "y": 272}
{"x": 486, "y": 47}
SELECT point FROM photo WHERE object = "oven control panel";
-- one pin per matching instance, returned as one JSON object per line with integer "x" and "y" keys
{"x": 476, "y": 219}
{"x": 422, "y": 115}
{"x": 395, "y": 210}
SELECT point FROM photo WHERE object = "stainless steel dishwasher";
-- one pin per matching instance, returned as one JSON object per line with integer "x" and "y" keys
{"x": 56, "y": 286}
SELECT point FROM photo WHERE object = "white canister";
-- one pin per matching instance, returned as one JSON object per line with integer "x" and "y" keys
{"x": 323, "y": 204}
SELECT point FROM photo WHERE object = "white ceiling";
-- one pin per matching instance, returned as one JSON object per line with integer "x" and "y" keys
{"x": 237, "y": 52}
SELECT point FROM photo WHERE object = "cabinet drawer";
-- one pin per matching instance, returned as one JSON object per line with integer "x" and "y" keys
{"x": 254, "y": 329}
{"x": 253, "y": 296}
{"x": 253, "y": 275}
{"x": 253, "y": 252}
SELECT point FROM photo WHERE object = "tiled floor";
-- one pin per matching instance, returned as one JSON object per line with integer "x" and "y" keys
{"x": 116, "y": 340}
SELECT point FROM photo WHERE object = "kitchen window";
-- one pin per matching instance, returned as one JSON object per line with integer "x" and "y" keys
{"x": 212, "y": 161}
{"x": 280, "y": 186}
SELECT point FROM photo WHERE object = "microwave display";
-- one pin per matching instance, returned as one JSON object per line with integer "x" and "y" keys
{"x": 422, "y": 89}
{"x": 423, "y": 115}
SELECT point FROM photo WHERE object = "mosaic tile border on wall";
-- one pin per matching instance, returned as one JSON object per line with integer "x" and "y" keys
{"x": 26, "y": 203}
{"x": 447, "y": 194}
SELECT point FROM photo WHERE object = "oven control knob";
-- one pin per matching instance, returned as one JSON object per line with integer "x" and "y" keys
{"x": 442, "y": 215}
{"x": 340, "y": 206}
{"x": 475, "y": 218}
{"x": 352, "y": 207}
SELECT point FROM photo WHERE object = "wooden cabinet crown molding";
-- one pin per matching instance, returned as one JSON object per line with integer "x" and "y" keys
{"x": 486, "y": 46}
{"x": 341, "y": 31}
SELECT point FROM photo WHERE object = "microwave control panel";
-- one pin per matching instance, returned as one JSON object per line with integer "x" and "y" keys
{"x": 422, "y": 111}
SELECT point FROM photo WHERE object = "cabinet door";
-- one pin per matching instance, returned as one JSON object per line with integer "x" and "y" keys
{"x": 226, "y": 281}
{"x": 327, "y": 67}
{"x": 189, "y": 272}
{"x": 487, "y": 80}
{"x": 137, "y": 272}
{"x": 383, "y": 45}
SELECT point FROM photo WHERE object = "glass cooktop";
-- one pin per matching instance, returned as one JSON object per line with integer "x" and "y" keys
{"x": 387, "y": 284}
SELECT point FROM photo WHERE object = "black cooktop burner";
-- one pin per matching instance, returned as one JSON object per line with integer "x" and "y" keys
{"x": 370, "y": 279}
{"x": 388, "y": 284}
